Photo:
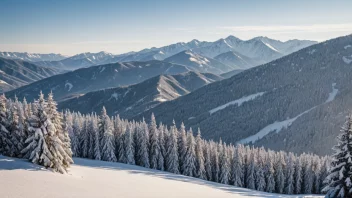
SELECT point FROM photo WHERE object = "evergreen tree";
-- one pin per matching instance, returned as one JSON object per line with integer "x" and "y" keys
{"x": 142, "y": 142}
{"x": 279, "y": 174}
{"x": 108, "y": 151}
{"x": 269, "y": 173}
{"x": 154, "y": 148}
{"x": 289, "y": 189}
{"x": 44, "y": 146}
{"x": 14, "y": 136}
{"x": 128, "y": 146}
{"x": 250, "y": 173}
{"x": 75, "y": 137}
{"x": 85, "y": 138}
{"x": 172, "y": 164}
{"x": 162, "y": 151}
{"x": 224, "y": 176}
{"x": 237, "y": 168}
{"x": 189, "y": 165}
{"x": 182, "y": 147}
{"x": 298, "y": 176}
{"x": 207, "y": 161}
{"x": 339, "y": 179}
{"x": 5, "y": 142}
{"x": 200, "y": 166}
{"x": 259, "y": 170}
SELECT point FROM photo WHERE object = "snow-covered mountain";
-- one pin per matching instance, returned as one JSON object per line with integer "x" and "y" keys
{"x": 93, "y": 78}
{"x": 80, "y": 60}
{"x": 93, "y": 178}
{"x": 32, "y": 57}
{"x": 134, "y": 99}
{"x": 199, "y": 63}
{"x": 295, "y": 103}
{"x": 16, "y": 73}
{"x": 256, "y": 51}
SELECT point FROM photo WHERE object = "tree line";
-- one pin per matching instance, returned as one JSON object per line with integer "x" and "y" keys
{"x": 38, "y": 132}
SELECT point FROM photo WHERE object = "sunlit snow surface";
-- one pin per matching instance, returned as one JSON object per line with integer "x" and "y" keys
{"x": 237, "y": 102}
{"x": 95, "y": 179}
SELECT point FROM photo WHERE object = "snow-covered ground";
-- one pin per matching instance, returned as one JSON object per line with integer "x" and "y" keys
{"x": 89, "y": 178}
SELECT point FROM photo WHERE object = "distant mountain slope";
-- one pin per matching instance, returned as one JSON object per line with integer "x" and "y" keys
{"x": 236, "y": 60}
{"x": 231, "y": 73}
{"x": 16, "y": 73}
{"x": 198, "y": 63}
{"x": 296, "y": 103}
{"x": 89, "y": 79}
{"x": 135, "y": 99}
{"x": 81, "y": 60}
{"x": 32, "y": 57}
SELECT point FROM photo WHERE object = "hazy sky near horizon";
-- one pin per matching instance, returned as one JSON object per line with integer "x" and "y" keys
{"x": 74, "y": 26}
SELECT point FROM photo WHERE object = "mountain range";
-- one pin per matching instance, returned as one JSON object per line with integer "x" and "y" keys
{"x": 295, "y": 103}
{"x": 135, "y": 99}
{"x": 231, "y": 51}
{"x": 32, "y": 57}
{"x": 17, "y": 73}
{"x": 94, "y": 78}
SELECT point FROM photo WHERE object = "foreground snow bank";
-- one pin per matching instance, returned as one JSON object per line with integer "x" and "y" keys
{"x": 89, "y": 178}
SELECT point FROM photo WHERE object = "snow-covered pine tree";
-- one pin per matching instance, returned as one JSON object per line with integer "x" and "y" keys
{"x": 154, "y": 148}
{"x": 108, "y": 151}
{"x": 44, "y": 146}
{"x": 118, "y": 134}
{"x": 56, "y": 119}
{"x": 128, "y": 146}
{"x": 237, "y": 173}
{"x": 339, "y": 179}
{"x": 269, "y": 172}
{"x": 260, "y": 183}
{"x": 289, "y": 189}
{"x": 298, "y": 176}
{"x": 102, "y": 124}
{"x": 172, "y": 160}
{"x": 250, "y": 173}
{"x": 215, "y": 169}
{"x": 317, "y": 175}
{"x": 84, "y": 136}
{"x": 207, "y": 160}
{"x": 5, "y": 142}
{"x": 75, "y": 137}
{"x": 142, "y": 142}
{"x": 182, "y": 147}
{"x": 189, "y": 163}
{"x": 14, "y": 136}
{"x": 162, "y": 151}
{"x": 200, "y": 166}
{"x": 308, "y": 176}
{"x": 279, "y": 173}
{"x": 224, "y": 166}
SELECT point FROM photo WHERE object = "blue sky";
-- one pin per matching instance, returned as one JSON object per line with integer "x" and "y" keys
{"x": 73, "y": 26}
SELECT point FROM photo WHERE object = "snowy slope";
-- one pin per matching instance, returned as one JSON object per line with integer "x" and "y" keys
{"x": 92, "y": 179}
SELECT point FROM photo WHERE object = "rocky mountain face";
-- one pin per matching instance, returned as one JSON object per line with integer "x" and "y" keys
{"x": 135, "y": 99}
{"x": 295, "y": 103}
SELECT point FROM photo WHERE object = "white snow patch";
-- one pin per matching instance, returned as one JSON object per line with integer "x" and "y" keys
{"x": 277, "y": 126}
{"x": 93, "y": 178}
{"x": 69, "y": 85}
{"x": 191, "y": 118}
{"x": 114, "y": 95}
{"x": 238, "y": 102}
{"x": 116, "y": 70}
{"x": 128, "y": 108}
{"x": 160, "y": 99}
{"x": 347, "y": 60}
{"x": 102, "y": 69}
{"x": 311, "y": 52}
{"x": 332, "y": 94}
{"x": 347, "y": 46}
{"x": 128, "y": 90}
{"x": 271, "y": 47}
